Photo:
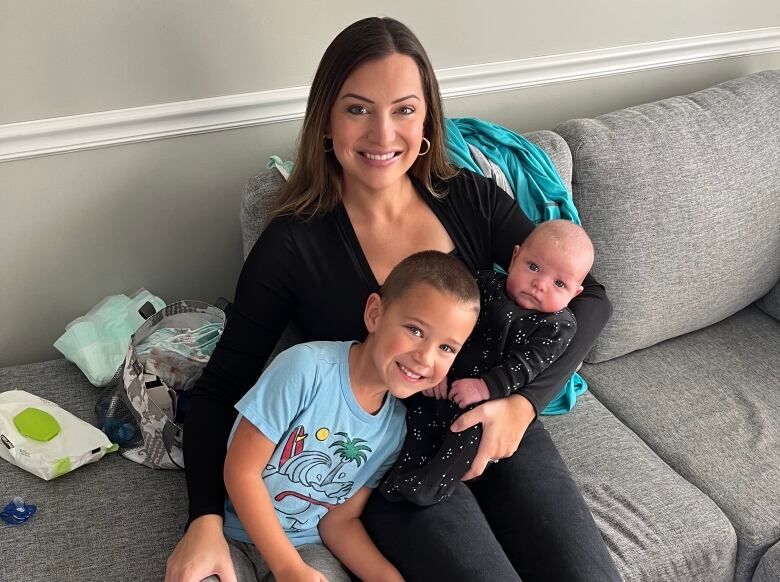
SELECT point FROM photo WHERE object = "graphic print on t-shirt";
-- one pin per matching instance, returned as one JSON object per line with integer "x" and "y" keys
{"x": 320, "y": 477}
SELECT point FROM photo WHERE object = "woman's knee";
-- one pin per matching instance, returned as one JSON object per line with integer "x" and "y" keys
{"x": 448, "y": 541}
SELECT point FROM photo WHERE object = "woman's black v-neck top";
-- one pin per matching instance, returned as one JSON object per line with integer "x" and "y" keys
{"x": 314, "y": 273}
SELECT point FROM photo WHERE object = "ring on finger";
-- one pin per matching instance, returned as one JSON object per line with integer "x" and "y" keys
{"x": 492, "y": 460}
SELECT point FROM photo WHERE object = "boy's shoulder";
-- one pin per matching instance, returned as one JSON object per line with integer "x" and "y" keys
{"x": 295, "y": 377}
{"x": 310, "y": 359}
{"x": 316, "y": 351}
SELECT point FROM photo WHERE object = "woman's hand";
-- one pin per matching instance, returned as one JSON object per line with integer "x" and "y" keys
{"x": 202, "y": 552}
{"x": 504, "y": 422}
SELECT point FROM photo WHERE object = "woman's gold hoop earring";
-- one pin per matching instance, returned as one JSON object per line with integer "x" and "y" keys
{"x": 325, "y": 139}
{"x": 426, "y": 140}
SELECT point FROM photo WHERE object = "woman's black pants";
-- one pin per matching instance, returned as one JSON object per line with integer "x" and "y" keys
{"x": 523, "y": 519}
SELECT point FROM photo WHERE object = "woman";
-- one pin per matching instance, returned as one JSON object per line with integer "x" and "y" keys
{"x": 371, "y": 186}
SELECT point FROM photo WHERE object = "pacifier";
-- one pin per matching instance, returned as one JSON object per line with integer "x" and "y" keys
{"x": 17, "y": 511}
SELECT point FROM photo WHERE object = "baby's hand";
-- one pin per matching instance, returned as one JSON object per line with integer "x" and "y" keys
{"x": 439, "y": 392}
{"x": 469, "y": 391}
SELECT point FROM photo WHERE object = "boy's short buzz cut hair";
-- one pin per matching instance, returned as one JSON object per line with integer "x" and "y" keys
{"x": 440, "y": 270}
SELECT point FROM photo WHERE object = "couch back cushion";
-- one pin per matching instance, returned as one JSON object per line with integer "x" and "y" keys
{"x": 257, "y": 202}
{"x": 682, "y": 200}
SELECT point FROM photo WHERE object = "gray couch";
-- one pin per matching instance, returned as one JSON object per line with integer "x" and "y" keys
{"x": 676, "y": 446}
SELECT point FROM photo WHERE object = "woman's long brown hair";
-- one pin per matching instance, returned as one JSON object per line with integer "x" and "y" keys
{"x": 315, "y": 183}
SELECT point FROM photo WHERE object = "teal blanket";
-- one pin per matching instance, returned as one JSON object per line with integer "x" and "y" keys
{"x": 539, "y": 191}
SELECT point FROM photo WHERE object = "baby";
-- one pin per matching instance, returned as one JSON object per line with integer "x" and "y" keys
{"x": 523, "y": 327}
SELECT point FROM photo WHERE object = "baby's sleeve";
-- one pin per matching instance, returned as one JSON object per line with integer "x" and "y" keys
{"x": 527, "y": 356}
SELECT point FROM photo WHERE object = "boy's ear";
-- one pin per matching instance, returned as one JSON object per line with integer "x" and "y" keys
{"x": 372, "y": 312}
{"x": 579, "y": 290}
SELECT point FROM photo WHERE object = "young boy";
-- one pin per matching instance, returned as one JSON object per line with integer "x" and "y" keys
{"x": 523, "y": 327}
{"x": 324, "y": 423}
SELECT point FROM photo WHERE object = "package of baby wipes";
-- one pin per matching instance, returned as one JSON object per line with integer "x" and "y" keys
{"x": 44, "y": 439}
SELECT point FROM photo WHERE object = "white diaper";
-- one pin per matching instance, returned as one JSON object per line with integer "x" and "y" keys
{"x": 44, "y": 439}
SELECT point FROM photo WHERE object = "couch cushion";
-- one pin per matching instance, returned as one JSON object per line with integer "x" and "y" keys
{"x": 708, "y": 403}
{"x": 682, "y": 200}
{"x": 111, "y": 520}
{"x": 257, "y": 202}
{"x": 557, "y": 149}
{"x": 770, "y": 303}
{"x": 657, "y": 526}
{"x": 769, "y": 567}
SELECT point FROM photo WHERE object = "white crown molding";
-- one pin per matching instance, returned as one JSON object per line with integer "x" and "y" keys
{"x": 94, "y": 130}
{"x": 532, "y": 72}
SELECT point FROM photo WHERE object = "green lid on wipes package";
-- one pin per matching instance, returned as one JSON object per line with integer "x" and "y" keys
{"x": 36, "y": 424}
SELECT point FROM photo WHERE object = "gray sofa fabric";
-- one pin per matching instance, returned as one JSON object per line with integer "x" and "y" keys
{"x": 770, "y": 303}
{"x": 708, "y": 404}
{"x": 681, "y": 200}
{"x": 656, "y": 524}
{"x": 558, "y": 151}
{"x": 257, "y": 202}
{"x": 111, "y": 520}
{"x": 769, "y": 567}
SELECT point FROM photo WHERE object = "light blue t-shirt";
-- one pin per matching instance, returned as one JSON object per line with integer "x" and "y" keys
{"x": 327, "y": 446}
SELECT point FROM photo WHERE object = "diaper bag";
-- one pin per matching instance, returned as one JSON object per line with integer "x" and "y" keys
{"x": 144, "y": 412}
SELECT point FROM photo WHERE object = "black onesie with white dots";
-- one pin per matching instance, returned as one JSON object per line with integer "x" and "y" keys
{"x": 508, "y": 348}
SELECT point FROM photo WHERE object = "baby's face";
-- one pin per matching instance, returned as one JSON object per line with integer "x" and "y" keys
{"x": 543, "y": 278}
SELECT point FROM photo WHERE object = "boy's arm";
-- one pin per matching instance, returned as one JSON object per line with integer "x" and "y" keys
{"x": 528, "y": 357}
{"x": 248, "y": 454}
{"x": 344, "y": 535}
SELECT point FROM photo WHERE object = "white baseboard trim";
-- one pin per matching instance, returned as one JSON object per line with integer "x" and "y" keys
{"x": 123, "y": 126}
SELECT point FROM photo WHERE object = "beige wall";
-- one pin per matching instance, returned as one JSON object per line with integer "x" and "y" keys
{"x": 76, "y": 227}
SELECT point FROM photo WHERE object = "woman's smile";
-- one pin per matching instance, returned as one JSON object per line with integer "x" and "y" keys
{"x": 376, "y": 160}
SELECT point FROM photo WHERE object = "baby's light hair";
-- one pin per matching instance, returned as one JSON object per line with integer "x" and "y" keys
{"x": 571, "y": 239}
{"x": 441, "y": 271}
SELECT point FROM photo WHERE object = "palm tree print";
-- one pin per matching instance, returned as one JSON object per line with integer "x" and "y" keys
{"x": 350, "y": 450}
